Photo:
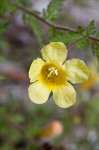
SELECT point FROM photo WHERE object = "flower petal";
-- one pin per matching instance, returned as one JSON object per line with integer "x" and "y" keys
{"x": 38, "y": 93}
{"x": 65, "y": 97}
{"x": 76, "y": 70}
{"x": 55, "y": 51}
{"x": 35, "y": 69}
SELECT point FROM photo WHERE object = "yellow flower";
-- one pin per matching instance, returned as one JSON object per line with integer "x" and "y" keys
{"x": 53, "y": 74}
{"x": 93, "y": 76}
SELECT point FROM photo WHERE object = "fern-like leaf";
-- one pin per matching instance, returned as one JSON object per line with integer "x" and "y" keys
{"x": 66, "y": 38}
{"x": 33, "y": 22}
{"x": 95, "y": 49}
{"x": 83, "y": 44}
{"x": 52, "y": 11}
{"x": 91, "y": 30}
{"x": 80, "y": 30}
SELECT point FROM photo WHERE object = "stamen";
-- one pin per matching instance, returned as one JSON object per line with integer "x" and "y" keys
{"x": 52, "y": 70}
{"x": 50, "y": 73}
{"x": 56, "y": 72}
{"x": 53, "y": 76}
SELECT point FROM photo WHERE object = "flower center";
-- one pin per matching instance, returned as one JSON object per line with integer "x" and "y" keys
{"x": 52, "y": 76}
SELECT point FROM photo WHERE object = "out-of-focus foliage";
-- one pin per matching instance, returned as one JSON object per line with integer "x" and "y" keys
{"x": 33, "y": 22}
{"x": 13, "y": 117}
{"x": 3, "y": 7}
{"x": 2, "y": 58}
{"x": 90, "y": 117}
{"x": 95, "y": 49}
{"x": 3, "y": 26}
{"x": 52, "y": 11}
{"x": 2, "y": 77}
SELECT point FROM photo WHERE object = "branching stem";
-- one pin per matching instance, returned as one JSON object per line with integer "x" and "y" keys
{"x": 50, "y": 23}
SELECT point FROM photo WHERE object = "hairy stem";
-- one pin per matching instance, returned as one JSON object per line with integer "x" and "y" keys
{"x": 50, "y": 23}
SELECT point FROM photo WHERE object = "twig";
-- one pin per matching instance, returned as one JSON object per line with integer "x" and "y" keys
{"x": 50, "y": 23}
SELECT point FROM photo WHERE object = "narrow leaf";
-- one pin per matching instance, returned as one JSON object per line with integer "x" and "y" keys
{"x": 65, "y": 38}
{"x": 36, "y": 29}
{"x": 80, "y": 30}
{"x": 90, "y": 30}
{"x": 83, "y": 44}
{"x": 95, "y": 49}
{"x": 52, "y": 11}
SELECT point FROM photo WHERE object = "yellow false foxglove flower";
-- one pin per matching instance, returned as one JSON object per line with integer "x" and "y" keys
{"x": 52, "y": 74}
{"x": 93, "y": 76}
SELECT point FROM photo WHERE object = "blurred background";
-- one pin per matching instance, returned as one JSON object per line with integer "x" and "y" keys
{"x": 23, "y": 124}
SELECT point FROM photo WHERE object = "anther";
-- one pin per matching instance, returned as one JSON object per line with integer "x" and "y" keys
{"x": 56, "y": 72}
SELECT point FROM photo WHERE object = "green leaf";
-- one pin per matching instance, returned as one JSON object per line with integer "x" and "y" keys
{"x": 36, "y": 28}
{"x": 52, "y": 11}
{"x": 83, "y": 44}
{"x": 80, "y": 30}
{"x": 90, "y": 30}
{"x": 66, "y": 38}
{"x": 95, "y": 49}
{"x": 52, "y": 31}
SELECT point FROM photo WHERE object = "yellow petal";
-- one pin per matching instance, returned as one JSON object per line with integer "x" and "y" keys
{"x": 38, "y": 93}
{"x": 76, "y": 70}
{"x": 55, "y": 51}
{"x": 65, "y": 97}
{"x": 35, "y": 69}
